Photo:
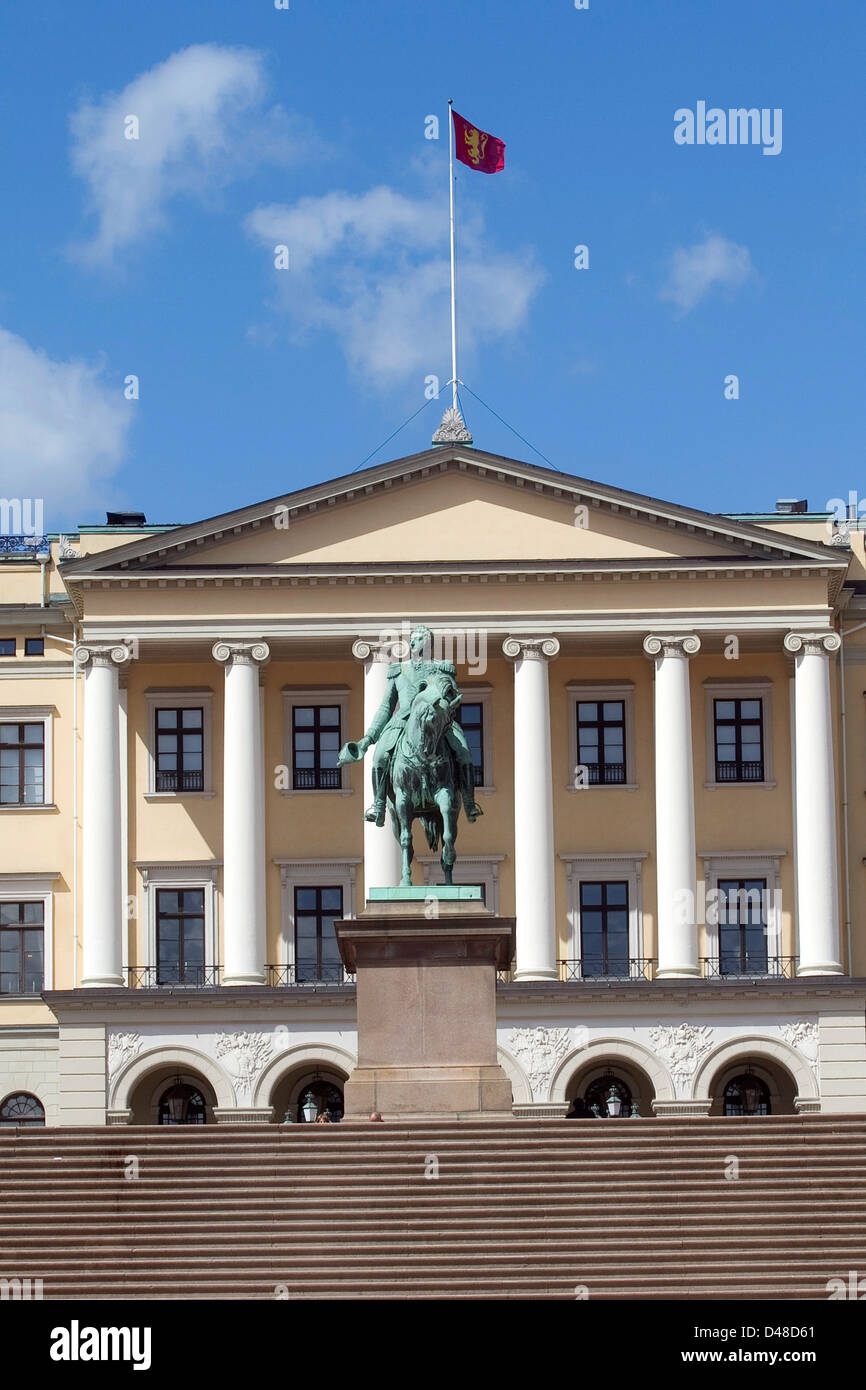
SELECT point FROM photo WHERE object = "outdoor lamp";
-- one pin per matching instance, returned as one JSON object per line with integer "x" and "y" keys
{"x": 751, "y": 1092}
{"x": 176, "y": 1103}
{"x": 310, "y": 1107}
{"x": 614, "y": 1104}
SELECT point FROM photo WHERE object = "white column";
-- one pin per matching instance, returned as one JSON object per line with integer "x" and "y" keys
{"x": 244, "y": 908}
{"x": 676, "y": 884}
{"x": 816, "y": 848}
{"x": 382, "y": 860}
{"x": 534, "y": 883}
{"x": 101, "y": 869}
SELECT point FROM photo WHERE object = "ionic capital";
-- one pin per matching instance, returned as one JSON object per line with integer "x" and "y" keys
{"x": 531, "y": 648}
{"x": 812, "y": 643}
{"x": 93, "y": 654}
{"x": 241, "y": 653}
{"x": 376, "y": 649}
{"x": 665, "y": 646}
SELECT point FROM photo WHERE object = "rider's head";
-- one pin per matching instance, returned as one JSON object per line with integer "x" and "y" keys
{"x": 421, "y": 642}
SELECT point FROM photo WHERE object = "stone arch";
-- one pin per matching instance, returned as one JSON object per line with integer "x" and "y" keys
{"x": 324, "y": 1055}
{"x": 613, "y": 1049}
{"x": 754, "y": 1046}
{"x": 184, "y": 1059}
{"x": 521, "y": 1091}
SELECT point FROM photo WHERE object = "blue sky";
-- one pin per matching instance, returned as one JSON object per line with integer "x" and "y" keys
{"x": 305, "y": 127}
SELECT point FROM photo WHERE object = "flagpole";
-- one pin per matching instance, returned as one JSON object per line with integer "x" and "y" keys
{"x": 453, "y": 262}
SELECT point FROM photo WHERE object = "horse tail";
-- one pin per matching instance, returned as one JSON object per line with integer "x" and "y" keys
{"x": 431, "y": 824}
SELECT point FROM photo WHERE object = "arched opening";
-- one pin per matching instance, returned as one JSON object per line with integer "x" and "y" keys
{"x": 610, "y": 1088}
{"x": 318, "y": 1090}
{"x": 22, "y": 1109}
{"x": 752, "y": 1086}
{"x": 166, "y": 1096}
{"x": 181, "y": 1104}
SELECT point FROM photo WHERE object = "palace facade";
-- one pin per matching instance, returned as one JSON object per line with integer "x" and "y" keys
{"x": 665, "y": 709}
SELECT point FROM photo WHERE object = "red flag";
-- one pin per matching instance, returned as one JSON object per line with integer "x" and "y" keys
{"x": 476, "y": 148}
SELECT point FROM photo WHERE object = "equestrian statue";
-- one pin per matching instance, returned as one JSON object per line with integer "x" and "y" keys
{"x": 422, "y": 765}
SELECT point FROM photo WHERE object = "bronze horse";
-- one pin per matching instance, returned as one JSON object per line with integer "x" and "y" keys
{"x": 423, "y": 778}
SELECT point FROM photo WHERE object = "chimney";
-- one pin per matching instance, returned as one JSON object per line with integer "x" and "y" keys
{"x": 792, "y": 504}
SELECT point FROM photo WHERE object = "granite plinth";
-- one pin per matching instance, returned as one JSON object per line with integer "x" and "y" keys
{"x": 426, "y": 994}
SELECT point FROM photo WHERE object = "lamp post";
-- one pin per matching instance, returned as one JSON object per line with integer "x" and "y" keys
{"x": 309, "y": 1107}
{"x": 614, "y": 1104}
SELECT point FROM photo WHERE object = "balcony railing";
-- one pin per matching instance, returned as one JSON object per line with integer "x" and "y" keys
{"x": 180, "y": 781}
{"x": 302, "y": 976}
{"x": 735, "y": 771}
{"x": 749, "y": 967}
{"x": 605, "y": 774}
{"x": 317, "y": 779}
{"x": 591, "y": 972}
{"x": 161, "y": 977}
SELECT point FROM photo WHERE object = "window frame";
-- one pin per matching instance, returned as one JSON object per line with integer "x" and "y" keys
{"x": 35, "y": 714}
{"x": 181, "y": 917}
{"x": 295, "y": 695}
{"x": 612, "y": 868}
{"x": 743, "y": 864}
{"x": 28, "y": 641}
{"x": 580, "y": 691}
{"x": 37, "y": 887}
{"x": 481, "y": 693}
{"x": 201, "y": 874}
{"x": 187, "y": 697}
{"x": 311, "y": 873}
{"x": 732, "y": 688}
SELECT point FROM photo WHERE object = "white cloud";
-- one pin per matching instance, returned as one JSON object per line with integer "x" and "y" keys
{"x": 62, "y": 430}
{"x": 714, "y": 263}
{"x": 373, "y": 269}
{"x": 201, "y": 123}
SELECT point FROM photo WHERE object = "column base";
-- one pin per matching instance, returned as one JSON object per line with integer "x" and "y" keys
{"x": 821, "y": 967}
{"x": 532, "y": 974}
{"x": 243, "y": 980}
{"x": 103, "y": 982}
{"x": 679, "y": 972}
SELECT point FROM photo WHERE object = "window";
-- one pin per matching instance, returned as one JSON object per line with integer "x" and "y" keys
{"x": 738, "y": 718}
{"x": 742, "y": 926}
{"x": 34, "y": 646}
{"x": 7, "y": 646}
{"x": 22, "y": 1109}
{"x": 604, "y": 929}
{"x": 746, "y": 1095}
{"x": 22, "y": 945}
{"x": 601, "y": 740}
{"x": 316, "y": 741}
{"x": 317, "y": 955}
{"x": 180, "y": 936}
{"x": 182, "y": 1105}
{"x": 471, "y": 716}
{"x": 314, "y": 724}
{"x": 739, "y": 740}
{"x": 180, "y": 749}
{"x": 179, "y": 759}
{"x": 22, "y": 764}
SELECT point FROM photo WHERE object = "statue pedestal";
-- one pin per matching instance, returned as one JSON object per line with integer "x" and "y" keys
{"x": 427, "y": 1011}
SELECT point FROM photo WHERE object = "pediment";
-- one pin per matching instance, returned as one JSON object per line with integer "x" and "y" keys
{"x": 453, "y": 507}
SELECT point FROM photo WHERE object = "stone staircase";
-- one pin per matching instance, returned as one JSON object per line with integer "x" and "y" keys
{"x": 630, "y": 1209}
